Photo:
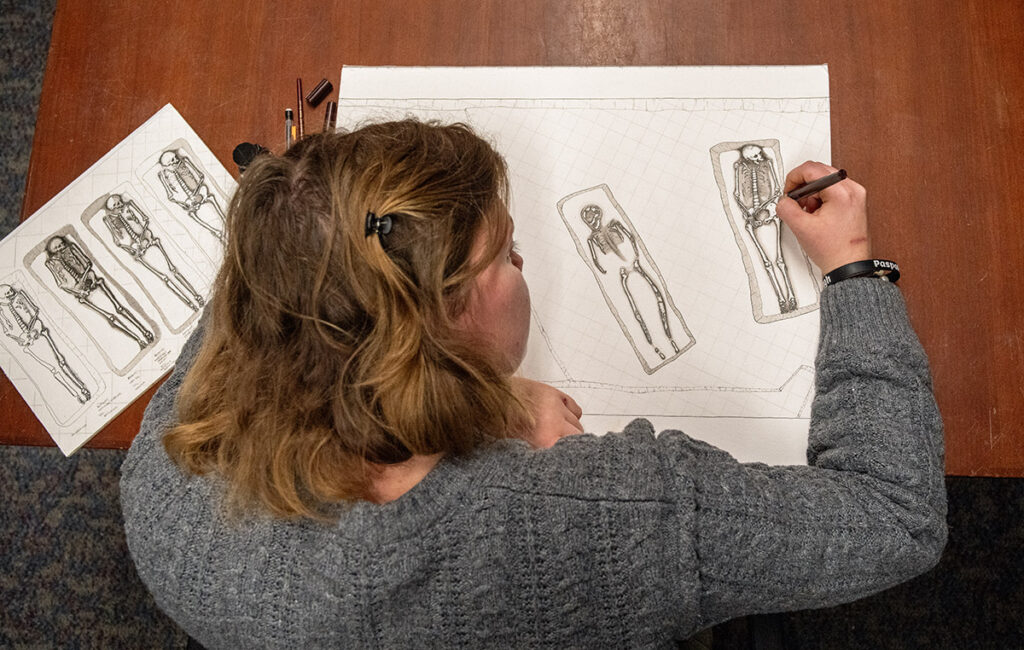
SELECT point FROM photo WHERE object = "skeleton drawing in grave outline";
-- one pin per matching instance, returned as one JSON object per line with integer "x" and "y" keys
{"x": 608, "y": 239}
{"x": 129, "y": 228}
{"x": 186, "y": 186}
{"x": 756, "y": 191}
{"x": 612, "y": 248}
{"x": 73, "y": 272}
{"x": 21, "y": 322}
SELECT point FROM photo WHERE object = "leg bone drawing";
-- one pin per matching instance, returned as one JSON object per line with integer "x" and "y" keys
{"x": 129, "y": 227}
{"x": 186, "y": 186}
{"x": 72, "y": 271}
{"x": 756, "y": 191}
{"x": 608, "y": 239}
{"x": 19, "y": 317}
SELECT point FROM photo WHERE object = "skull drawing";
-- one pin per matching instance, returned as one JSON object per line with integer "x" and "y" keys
{"x": 169, "y": 158}
{"x": 591, "y": 215}
{"x": 55, "y": 245}
{"x": 753, "y": 153}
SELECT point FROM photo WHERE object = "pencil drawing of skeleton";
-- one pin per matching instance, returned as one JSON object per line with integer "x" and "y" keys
{"x": 73, "y": 272}
{"x": 756, "y": 191}
{"x": 129, "y": 228}
{"x": 626, "y": 275}
{"x": 21, "y": 322}
{"x": 609, "y": 239}
{"x": 186, "y": 186}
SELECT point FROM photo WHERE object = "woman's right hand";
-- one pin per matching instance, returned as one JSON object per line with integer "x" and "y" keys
{"x": 832, "y": 225}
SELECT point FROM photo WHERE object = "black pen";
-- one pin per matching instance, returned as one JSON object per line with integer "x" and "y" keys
{"x": 817, "y": 185}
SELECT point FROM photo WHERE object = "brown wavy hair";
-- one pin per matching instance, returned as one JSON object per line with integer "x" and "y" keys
{"x": 328, "y": 352}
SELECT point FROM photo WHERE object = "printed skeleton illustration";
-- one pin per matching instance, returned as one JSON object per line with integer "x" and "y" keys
{"x": 20, "y": 319}
{"x": 129, "y": 227}
{"x": 757, "y": 190}
{"x": 609, "y": 238}
{"x": 186, "y": 186}
{"x": 73, "y": 272}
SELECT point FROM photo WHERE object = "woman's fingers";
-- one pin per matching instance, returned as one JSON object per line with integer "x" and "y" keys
{"x": 555, "y": 414}
{"x": 571, "y": 404}
{"x": 574, "y": 422}
{"x": 805, "y": 173}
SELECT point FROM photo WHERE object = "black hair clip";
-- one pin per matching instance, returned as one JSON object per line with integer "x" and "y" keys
{"x": 377, "y": 225}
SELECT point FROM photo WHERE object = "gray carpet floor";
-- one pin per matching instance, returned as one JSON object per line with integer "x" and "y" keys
{"x": 66, "y": 579}
{"x": 24, "y": 42}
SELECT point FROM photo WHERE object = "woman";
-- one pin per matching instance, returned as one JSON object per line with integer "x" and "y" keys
{"x": 341, "y": 456}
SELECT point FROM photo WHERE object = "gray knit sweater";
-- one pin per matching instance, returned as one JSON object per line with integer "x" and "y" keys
{"x": 622, "y": 540}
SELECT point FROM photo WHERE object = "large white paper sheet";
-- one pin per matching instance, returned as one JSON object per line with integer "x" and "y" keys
{"x": 102, "y": 286}
{"x": 663, "y": 284}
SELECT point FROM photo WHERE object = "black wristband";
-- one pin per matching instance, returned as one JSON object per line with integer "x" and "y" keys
{"x": 882, "y": 269}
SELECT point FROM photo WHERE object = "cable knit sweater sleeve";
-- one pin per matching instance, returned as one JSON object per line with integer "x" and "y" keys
{"x": 869, "y": 511}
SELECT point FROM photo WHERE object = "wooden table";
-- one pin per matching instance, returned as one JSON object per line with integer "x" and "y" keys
{"x": 927, "y": 100}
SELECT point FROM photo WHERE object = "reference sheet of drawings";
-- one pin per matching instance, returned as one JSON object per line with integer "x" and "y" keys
{"x": 663, "y": 283}
{"x": 101, "y": 287}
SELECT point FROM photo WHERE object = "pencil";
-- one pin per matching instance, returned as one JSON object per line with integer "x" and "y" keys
{"x": 298, "y": 98}
{"x": 816, "y": 185}
{"x": 330, "y": 117}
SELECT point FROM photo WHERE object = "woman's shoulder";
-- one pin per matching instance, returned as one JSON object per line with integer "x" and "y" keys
{"x": 631, "y": 465}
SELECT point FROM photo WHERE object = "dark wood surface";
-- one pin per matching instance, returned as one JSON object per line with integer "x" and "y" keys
{"x": 927, "y": 99}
